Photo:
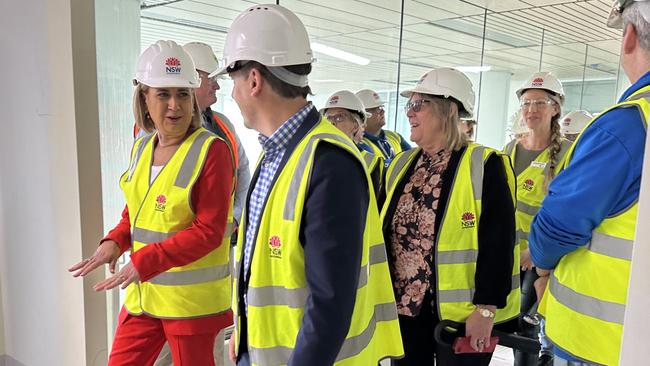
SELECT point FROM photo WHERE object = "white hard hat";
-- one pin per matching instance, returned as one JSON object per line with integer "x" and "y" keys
{"x": 370, "y": 98}
{"x": 545, "y": 81}
{"x": 517, "y": 124}
{"x": 615, "y": 18}
{"x": 447, "y": 82}
{"x": 348, "y": 100}
{"x": 574, "y": 122}
{"x": 203, "y": 56}
{"x": 165, "y": 64}
{"x": 271, "y": 35}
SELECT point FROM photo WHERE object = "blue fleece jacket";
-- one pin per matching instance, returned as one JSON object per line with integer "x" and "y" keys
{"x": 602, "y": 179}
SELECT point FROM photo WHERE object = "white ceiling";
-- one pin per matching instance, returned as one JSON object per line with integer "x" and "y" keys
{"x": 436, "y": 33}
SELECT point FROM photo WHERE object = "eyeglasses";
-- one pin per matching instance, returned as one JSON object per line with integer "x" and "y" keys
{"x": 376, "y": 110}
{"x": 338, "y": 118}
{"x": 538, "y": 104}
{"x": 415, "y": 105}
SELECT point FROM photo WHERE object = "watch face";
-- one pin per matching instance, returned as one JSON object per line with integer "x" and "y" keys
{"x": 486, "y": 313}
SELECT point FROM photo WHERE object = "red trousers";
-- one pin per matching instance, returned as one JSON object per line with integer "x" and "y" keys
{"x": 139, "y": 339}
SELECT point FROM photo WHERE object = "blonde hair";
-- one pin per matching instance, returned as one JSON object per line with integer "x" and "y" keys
{"x": 447, "y": 109}
{"x": 141, "y": 114}
{"x": 554, "y": 149}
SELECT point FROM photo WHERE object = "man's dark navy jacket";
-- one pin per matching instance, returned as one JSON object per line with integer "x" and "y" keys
{"x": 333, "y": 221}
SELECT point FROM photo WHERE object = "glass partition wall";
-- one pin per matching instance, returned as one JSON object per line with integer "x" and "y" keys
{"x": 386, "y": 45}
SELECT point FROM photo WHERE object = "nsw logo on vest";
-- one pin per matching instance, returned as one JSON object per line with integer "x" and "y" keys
{"x": 528, "y": 185}
{"x": 275, "y": 247}
{"x": 161, "y": 201}
{"x": 468, "y": 220}
{"x": 172, "y": 65}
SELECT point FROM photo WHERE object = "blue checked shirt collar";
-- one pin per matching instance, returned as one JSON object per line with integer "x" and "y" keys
{"x": 274, "y": 148}
{"x": 280, "y": 138}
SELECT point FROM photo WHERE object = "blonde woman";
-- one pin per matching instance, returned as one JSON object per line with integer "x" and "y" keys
{"x": 536, "y": 159}
{"x": 178, "y": 208}
{"x": 449, "y": 226}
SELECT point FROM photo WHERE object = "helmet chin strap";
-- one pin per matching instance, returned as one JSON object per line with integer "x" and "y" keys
{"x": 288, "y": 77}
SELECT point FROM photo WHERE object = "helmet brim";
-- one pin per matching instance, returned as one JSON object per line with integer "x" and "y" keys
{"x": 169, "y": 82}
{"x": 219, "y": 72}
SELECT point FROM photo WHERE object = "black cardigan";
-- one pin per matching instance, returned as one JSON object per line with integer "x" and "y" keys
{"x": 496, "y": 230}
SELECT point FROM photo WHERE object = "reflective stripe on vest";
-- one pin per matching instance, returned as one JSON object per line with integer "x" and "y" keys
{"x": 467, "y": 295}
{"x": 351, "y": 346}
{"x": 296, "y": 180}
{"x": 368, "y": 158}
{"x": 185, "y": 173}
{"x": 277, "y": 287}
{"x": 379, "y": 149}
{"x": 587, "y": 305}
{"x": 527, "y": 209}
{"x": 394, "y": 140}
{"x": 296, "y": 298}
{"x": 138, "y": 153}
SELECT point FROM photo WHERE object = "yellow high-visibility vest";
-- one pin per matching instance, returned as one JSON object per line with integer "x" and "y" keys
{"x": 456, "y": 247}
{"x": 375, "y": 167}
{"x": 584, "y": 303}
{"x": 530, "y": 187}
{"x": 277, "y": 288}
{"x": 393, "y": 140}
{"x": 158, "y": 211}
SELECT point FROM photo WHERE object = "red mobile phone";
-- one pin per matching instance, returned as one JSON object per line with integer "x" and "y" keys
{"x": 461, "y": 345}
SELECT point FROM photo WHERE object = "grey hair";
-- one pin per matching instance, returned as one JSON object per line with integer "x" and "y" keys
{"x": 357, "y": 118}
{"x": 638, "y": 14}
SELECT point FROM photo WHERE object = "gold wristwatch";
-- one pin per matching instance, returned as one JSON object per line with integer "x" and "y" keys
{"x": 486, "y": 313}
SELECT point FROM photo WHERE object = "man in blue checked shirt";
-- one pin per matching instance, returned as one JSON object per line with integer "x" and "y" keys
{"x": 311, "y": 281}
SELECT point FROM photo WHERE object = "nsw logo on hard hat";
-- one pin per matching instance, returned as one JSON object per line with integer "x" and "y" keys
{"x": 538, "y": 82}
{"x": 567, "y": 121}
{"x": 375, "y": 95}
{"x": 172, "y": 65}
{"x": 468, "y": 220}
{"x": 334, "y": 100}
{"x": 275, "y": 247}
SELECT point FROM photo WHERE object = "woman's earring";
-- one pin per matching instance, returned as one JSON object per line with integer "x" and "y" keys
{"x": 147, "y": 115}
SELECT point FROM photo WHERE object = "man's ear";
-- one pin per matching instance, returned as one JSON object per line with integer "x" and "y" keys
{"x": 255, "y": 82}
{"x": 630, "y": 39}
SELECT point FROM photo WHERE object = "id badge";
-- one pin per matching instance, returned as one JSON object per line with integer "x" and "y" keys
{"x": 538, "y": 164}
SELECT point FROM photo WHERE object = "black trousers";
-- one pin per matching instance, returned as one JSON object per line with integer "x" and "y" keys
{"x": 420, "y": 347}
{"x": 528, "y": 300}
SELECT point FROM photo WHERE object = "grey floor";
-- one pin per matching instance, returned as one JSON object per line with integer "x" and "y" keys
{"x": 502, "y": 357}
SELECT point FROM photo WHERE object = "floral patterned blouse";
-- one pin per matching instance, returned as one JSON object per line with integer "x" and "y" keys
{"x": 413, "y": 233}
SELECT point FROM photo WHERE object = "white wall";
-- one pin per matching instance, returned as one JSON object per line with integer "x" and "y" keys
{"x": 636, "y": 331}
{"x": 49, "y": 186}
